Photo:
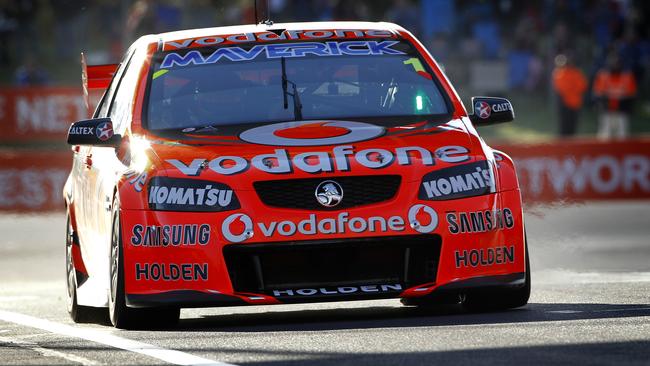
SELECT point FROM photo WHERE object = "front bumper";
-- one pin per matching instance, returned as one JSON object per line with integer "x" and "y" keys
{"x": 200, "y": 299}
{"x": 384, "y": 251}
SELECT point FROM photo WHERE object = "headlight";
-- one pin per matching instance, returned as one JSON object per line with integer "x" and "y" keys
{"x": 461, "y": 181}
{"x": 139, "y": 148}
{"x": 179, "y": 194}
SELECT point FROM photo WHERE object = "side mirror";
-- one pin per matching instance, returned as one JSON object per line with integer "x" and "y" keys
{"x": 93, "y": 132}
{"x": 490, "y": 111}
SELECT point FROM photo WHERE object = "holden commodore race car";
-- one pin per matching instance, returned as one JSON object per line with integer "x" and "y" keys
{"x": 287, "y": 163}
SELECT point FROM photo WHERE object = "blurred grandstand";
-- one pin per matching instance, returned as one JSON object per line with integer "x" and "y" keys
{"x": 496, "y": 47}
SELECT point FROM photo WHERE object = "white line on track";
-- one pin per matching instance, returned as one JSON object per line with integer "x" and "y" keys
{"x": 596, "y": 311}
{"x": 624, "y": 309}
{"x": 48, "y": 352}
{"x": 102, "y": 337}
{"x": 565, "y": 311}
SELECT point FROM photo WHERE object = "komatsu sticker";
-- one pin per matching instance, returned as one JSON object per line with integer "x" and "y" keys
{"x": 178, "y": 194}
{"x": 289, "y": 50}
{"x": 460, "y": 181}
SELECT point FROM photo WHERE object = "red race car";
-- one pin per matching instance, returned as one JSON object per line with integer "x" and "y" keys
{"x": 287, "y": 163}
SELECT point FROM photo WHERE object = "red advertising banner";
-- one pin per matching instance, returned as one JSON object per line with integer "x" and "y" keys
{"x": 583, "y": 170}
{"x": 39, "y": 113}
{"x": 33, "y": 181}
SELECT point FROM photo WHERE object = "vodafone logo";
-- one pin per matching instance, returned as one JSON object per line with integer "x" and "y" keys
{"x": 237, "y": 228}
{"x": 311, "y": 133}
{"x": 423, "y": 218}
{"x": 483, "y": 109}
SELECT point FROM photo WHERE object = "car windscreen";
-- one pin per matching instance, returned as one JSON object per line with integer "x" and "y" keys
{"x": 330, "y": 80}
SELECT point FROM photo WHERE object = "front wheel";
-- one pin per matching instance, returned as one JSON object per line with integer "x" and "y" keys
{"x": 121, "y": 315}
{"x": 78, "y": 313}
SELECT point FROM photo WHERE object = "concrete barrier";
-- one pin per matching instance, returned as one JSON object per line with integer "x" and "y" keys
{"x": 32, "y": 181}
{"x": 582, "y": 169}
{"x": 39, "y": 113}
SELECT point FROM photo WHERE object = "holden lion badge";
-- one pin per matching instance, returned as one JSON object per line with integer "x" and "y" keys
{"x": 329, "y": 193}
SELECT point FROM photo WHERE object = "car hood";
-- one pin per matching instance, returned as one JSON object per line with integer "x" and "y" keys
{"x": 315, "y": 149}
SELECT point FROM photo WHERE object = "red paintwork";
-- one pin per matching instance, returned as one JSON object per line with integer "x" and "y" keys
{"x": 457, "y": 132}
{"x": 315, "y": 130}
{"x": 77, "y": 258}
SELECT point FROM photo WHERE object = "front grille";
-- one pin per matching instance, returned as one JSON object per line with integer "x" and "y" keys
{"x": 262, "y": 268}
{"x": 300, "y": 193}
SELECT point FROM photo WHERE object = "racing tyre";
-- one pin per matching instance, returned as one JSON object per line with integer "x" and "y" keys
{"x": 78, "y": 313}
{"x": 121, "y": 315}
{"x": 496, "y": 300}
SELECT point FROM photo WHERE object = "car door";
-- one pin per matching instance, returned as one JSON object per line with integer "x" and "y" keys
{"x": 109, "y": 166}
{"x": 88, "y": 196}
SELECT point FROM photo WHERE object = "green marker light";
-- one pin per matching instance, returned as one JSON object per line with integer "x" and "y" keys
{"x": 418, "y": 103}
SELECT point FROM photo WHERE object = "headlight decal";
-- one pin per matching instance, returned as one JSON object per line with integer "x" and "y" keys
{"x": 465, "y": 180}
{"x": 179, "y": 194}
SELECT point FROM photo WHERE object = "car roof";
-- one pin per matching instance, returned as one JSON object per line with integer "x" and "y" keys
{"x": 257, "y": 28}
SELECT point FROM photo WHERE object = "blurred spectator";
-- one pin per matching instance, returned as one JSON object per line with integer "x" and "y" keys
{"x": 71, "y": 27}
{"x": 30, "y": 73}
{"x": 485, "y": 29}
{"x": 148, "y": 16}
{"x": 608, "y": 22}
{"x": 513, "y": 43}
{"x": 350, "y": 10}
{"x": 199, "y": 14}
{"x": 141, "y": 19}
{"x": 563, "y": 12}
{"x": 405, "y": 14}
{"x": 525, "y": 66}
{"x": 436, "y": 17}
{"x": 561, "y": 41}
{"x": 570, "y": 84}
{"x": 7, "y": 27}
{"x": 23, "y": 13}
{"x": 439, "y": 47}
{"x": 168, "y": 16}
{"x": 632, "y": 51}
{"x": 615, "y": 89}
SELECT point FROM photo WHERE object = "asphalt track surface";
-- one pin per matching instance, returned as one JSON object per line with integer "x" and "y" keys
{"x": 590, "y": 305}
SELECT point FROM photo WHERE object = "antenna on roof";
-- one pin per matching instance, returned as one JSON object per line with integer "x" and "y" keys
{"x": 262, "y": 12}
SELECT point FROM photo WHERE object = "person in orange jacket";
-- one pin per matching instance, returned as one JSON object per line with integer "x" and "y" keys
{"x": 615, "y": 89}
{"x": 570, "y": 84}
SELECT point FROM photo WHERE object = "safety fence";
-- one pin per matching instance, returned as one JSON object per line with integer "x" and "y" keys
{"x": 32, "y": 178}
{"x": 32, "y": 181}
{"x": 39, "y": 113}
{"x": 577, "y": 170}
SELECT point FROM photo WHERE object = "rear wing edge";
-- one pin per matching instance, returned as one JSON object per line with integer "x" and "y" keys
{"x": 95, "y": 79}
